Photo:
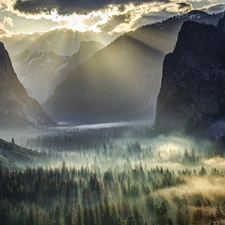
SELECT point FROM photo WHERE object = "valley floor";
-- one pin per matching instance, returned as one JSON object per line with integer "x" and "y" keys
{"x": 111, "y": 175}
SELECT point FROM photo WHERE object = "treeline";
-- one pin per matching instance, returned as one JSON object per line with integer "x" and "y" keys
{"x": 86, "y": 139}
{"x": 66, "y": 196}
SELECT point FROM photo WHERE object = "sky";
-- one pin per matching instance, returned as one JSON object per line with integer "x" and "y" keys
{"x": 109, "y": 16}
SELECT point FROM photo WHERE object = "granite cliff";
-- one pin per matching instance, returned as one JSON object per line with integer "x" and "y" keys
{"x": 192, "y": 94}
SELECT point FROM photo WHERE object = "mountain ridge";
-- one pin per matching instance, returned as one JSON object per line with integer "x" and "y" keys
{"x": 41, "y": 72}
{"x": 17, "y": 109}
{"x": 102, "y": 98}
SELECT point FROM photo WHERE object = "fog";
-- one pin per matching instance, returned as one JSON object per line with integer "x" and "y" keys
{"x": 127, "y": 164}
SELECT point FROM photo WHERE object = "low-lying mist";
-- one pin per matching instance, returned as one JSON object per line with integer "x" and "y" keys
{"x": 128, "y": 172}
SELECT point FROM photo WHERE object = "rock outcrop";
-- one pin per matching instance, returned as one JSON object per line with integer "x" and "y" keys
{"x": 192, "y": 94}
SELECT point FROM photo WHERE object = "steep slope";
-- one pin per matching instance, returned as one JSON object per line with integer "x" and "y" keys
{"x": 16, "y": 107}
{"x": 41, "y": 72}
{"x": 86, "y": 50}
{"x": 113, "y": 85}
{"x": 192, "y": 94}
{"x": 122, "y": 81}
{"x": 13, "y": 156}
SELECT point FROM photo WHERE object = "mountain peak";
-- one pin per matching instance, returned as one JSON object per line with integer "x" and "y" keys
{"x": 8, "y": 78}
{"x": 85, "y": 45}
{"x": 86, "y": 50}
{"x": 196, "y": 14}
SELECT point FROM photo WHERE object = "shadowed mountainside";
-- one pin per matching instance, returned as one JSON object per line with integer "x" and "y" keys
{"x": 192, "y": 94}
{"x": 17, "y": 109}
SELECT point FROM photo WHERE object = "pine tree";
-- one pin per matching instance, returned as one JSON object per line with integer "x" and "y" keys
{"x": 149, "y": 202}
{"x": 179, "y": 216}
{"x": 187, "y": 218}
{"x": 163, "y": 219}
{"x": 57, "y": 216}
{"x": 79, "y": 215}
{"x": 85, "y": 216}
{"x": 137, "y": 217}
{"x": 130, "y": 221}
{"x": 218, "y": 213}
{"x": 106, "y": 213}
{"x": 22, "y": 217}
{"x": 198, "y": 213}
{"x": 91, "y": 217}
{"x": 30, "y": 218}
{"x": 13, "y": 141}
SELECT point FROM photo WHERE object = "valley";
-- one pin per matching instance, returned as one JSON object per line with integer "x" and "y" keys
{"x": 124, "y": 130}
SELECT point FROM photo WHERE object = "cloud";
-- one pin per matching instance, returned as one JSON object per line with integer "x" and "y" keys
{"x": 71, "y": 6}
{"x": 184, "y": 5}
{"x": 111, "y": 16}
{"x": 3, "y": 31}
{"x": 214, "y": 8}
{"x": 111, "y": 19}
{"x": 127, "y": 19}
{"x": 8, "y": 21}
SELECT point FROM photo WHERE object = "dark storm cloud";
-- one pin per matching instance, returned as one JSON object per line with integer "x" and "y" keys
{"x": 183, "y": 5}
{"x": 69, "y": 6}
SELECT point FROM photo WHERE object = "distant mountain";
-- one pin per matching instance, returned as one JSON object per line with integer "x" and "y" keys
{"x": 86, "y": 50}
{"x": 61, "y": 41}
{"x": 41, "y": 72}
{"x": 17, "y": 109}
{"x": 122, "y": 81}
{"x": 192, "y": 94}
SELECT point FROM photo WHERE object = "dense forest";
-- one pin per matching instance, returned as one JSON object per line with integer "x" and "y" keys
{"x": 111, "y": 176}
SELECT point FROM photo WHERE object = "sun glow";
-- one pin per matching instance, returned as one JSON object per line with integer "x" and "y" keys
{"x": 114, "y": 18}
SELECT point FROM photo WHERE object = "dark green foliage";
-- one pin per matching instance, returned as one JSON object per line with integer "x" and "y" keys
{"x": 179, "y": 217}
{"x": 80, "y": 193}
{"x": 130, "y": 221}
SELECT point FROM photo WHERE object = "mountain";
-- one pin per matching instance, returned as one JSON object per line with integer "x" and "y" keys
{"x": 41, "y": 72}
{"x": 192, "y": 94}
{"x": 86, "y": 50}
{"x": 61, "y": 41}
{"x": 17, "y": 109}
{"x": 122, "y": 81}
{"x": 108, "y": 86}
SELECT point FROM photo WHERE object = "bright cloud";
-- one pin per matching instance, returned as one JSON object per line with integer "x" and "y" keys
{"x": 111, "y": 16}
{"x": 8, "y": 21}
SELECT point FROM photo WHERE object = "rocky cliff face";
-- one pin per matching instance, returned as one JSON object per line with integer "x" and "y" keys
{"x": 192, "y": 94}
{"x": 17, "y": 109}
